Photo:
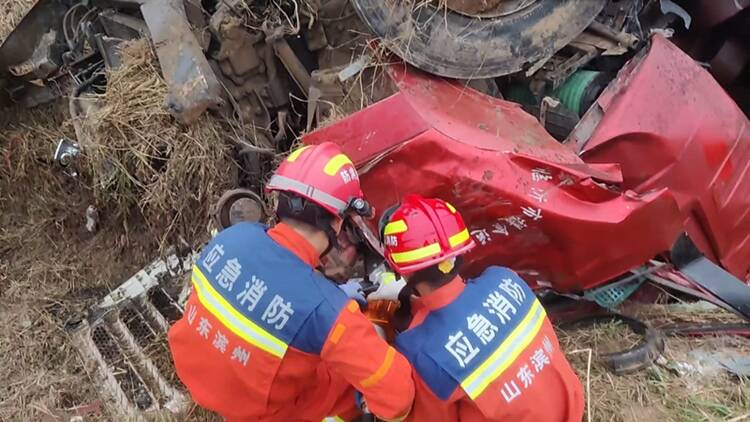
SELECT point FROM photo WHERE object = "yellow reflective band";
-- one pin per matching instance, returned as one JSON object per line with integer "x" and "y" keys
{"x": 506, "y": 353}
{"x": 395, "y": 227}
{"x": 416, "y": 254}
{"x": 333, "y": 419}
{"x": 451, "y": 208}
{"x": 335, "y": 164}
{"x": 233, "y": 319}
{"x": 296, "y": 153}
{"x": 459, "y": 238}
{"x": 447, "y": 266}
{"x": 387, "y": 278}
{"x": 382, "y": 370}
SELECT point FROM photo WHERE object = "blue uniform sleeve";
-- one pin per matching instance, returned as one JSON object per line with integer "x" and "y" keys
{"x": 314, "y": 331}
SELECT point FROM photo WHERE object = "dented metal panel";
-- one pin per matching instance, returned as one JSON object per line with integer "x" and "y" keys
{"x": 530, "y": 202}
{"x": 669, "y": 124}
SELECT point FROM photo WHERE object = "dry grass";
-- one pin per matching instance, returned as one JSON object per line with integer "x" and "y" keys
{"x": 140, "y": 159}
{"x": 661, "y": 392}
{"x": 52, "y": 268}
{"x": 11, "y": 13}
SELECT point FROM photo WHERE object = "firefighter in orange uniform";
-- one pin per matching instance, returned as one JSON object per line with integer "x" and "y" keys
{"x": 482, "y": 349}
{"x": 266, "y": 337}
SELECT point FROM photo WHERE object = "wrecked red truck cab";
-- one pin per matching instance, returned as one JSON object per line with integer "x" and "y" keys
{"x": 669, "y": 124}
{"x": 531, "y": 203}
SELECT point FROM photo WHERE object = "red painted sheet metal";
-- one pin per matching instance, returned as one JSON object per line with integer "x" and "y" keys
{"x": 669, "y": 124}
{"x": 530, "y": 202}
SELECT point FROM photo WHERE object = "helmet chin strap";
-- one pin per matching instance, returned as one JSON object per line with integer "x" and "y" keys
{"x": 333, "y": 240}
{"x": 313, "y": 215}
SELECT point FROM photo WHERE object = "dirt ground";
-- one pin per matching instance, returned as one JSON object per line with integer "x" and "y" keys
{"x": 52, "y": 268}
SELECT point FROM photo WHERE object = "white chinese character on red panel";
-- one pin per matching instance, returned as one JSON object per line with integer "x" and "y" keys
{"x": 513, "y": 289}
{"x": 547, "y": 345}
{"x": 525, "y": 376}
{"x": 540, "y": 175}
{"x": 191, "y": 311}
{"x": 539, "y": 359}
{"x": 498, "y": 228}
{"x": 499, "y": 305}
{"x": 391, "y": 241}
{"x": 220, "y": 342}
{"x": 253, "y": 292}
{"x": 516, "y": 222}
{"x": 345, "y": 176}
{"x": 353, "y": 174}
{"x": 229, "y": 273}
{"x": 533, "y": 213}
{"x": 481, "y": 236}
{"x": 538, "y": 194}
{"x": 510, "y": 391}
{"x": 460, "y": 347}
{"x": 240, "y": 355}
{"x": 204, "y": 327}
{"x": 278, "y": 312}
{"x": 481, "y": 327}
{"x": 213, "y": 256}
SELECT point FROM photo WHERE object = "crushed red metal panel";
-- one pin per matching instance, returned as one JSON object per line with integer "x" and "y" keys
{"x": 669, "y": 124}
{"x": 530, "y": 202}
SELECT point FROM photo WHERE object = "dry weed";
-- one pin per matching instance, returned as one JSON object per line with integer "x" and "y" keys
{"x": 50, "y": 267}
{"x": 11, "y": 13}
{"x": 140, "y": 158}
{"x": 658, "y": 393}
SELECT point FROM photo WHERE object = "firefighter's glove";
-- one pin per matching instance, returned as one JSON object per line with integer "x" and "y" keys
{"x": 353, "y": 289}
{"x": 388, "y": 286}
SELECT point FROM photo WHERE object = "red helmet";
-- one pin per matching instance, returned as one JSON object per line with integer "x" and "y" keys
{"x": 423, "y": 232}
{"x": 321, "y": 174}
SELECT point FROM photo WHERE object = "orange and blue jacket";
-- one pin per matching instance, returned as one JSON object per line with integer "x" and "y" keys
{"x": 485, "y": 350}
{"x": 265, "y": 337}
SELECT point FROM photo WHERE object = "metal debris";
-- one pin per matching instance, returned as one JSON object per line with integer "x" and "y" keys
{"x": 193, "y": 86}
{"x": 122, "y": 341}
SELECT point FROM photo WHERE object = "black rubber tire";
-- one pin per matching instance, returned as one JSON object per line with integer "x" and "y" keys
{"x": 454, "y": 45}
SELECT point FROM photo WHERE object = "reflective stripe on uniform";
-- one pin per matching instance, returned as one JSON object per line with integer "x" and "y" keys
{"x": 332, "y": 419}
{"x": 232, "y": 319}
{"x": 507, "y": 353}
{"x": 285, "y": 183}
{"x": 382, "y": 370}
{"x": 416, "y": 254}
{"x": 459, "y": 238}
{"x": 395, "y": 227}
{"x": 334, "y": 164}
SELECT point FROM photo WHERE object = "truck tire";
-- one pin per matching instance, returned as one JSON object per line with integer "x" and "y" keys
{"x": 456, "y": 45}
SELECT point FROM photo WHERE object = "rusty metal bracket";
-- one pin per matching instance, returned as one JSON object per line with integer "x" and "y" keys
{"x": 193, "y": 86}
{"x": 290, "y": 60}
